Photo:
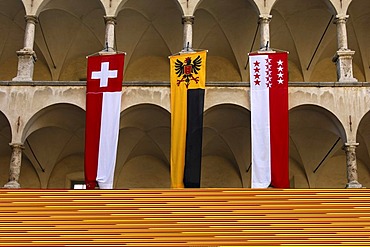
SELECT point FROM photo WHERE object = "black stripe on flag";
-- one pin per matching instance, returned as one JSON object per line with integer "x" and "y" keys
{"x": 194, "y": 135}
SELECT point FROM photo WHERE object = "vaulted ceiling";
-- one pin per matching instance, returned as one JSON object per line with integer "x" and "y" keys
{"x": 149, "y": 32}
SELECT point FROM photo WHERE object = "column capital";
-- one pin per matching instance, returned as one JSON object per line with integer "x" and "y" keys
{"x": 26, "y": 52}
{"x": 347, "y": 53}
{"x": 341, "y": 19}
{"x": 188, "y": 19}
{"x": 110, "y": 20}
{"x": 16, "y": 145}
{"x": 350, "y": 147}
{"x": 265, "y": 18}
{"x": 31, "y": 19}
{"x": 351, "y": 144}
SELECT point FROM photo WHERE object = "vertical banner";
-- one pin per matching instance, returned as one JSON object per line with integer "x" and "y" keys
{"x": 103, "y": 105}
{"x": 188, "y": 76}
{"x": 269, "y": 119}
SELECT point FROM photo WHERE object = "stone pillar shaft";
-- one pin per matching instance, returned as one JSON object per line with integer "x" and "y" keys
{"x": 29, "y": 35}
{"x": 264, "y": 21}
{"x": 15, "y": 166}
{"x": 340, "y": 21}
{"x": 27, "y": 56}
{"x": 110, "y": 23}
{"x": 188, "y": 21}
{"x": 352, "y": 176}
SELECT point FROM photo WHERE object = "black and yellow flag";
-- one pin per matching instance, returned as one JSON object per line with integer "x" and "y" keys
{"x": 188, "y": 78}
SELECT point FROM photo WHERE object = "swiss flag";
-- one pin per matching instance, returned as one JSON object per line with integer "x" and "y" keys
{"x": 103, "y": 105}
{"x": 269, "y": 119}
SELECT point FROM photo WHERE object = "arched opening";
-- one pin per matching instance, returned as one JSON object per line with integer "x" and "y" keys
{"x": 359, "y": 37}
{"x": 148, "y": 31}
{"x": 143, "y": 148}
{"x": 67, "y": 32}
{"x": 226, "y": 147}
{"x": 12, "y": 26}
{"x": 316, "y": 155}
{"x": 363, "y": 151}
{"x": 305, "y": 29}
{"x": 226, "y": 31}
{"x": 54, "y": 144}
{"x": 5, "y": 150}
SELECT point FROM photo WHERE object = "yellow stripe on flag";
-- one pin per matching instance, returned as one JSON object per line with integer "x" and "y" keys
{"x": 187, "y": 71}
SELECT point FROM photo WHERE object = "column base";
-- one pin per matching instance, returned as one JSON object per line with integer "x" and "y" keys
{"x": 12, "y": 185}
{"x": 26, "y": 61}
{"x": 343, "y": 61}
{"x": 354, "y": 185}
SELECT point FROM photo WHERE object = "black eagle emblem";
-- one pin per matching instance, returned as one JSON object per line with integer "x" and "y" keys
{"x": 185, "y": 70}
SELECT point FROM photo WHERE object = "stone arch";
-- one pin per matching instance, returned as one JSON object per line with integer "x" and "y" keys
{"x": 12, "y": 25}
{"x": 315, "y": 133}
{"x": 226, "y": 146}
{"x": 252, "y": 2}
{"x": 67, "y": 5}
{"x": 51, "y": 135}
{"x": 329, "y": 3}
{"x": 338, "y": 6}
{"x": 159, "y": 96}
{"x": 239, "y": 97}
{"x": 124, "y": 2}
{"x": 53, "y": 115}
{"x": 144, "y": 137}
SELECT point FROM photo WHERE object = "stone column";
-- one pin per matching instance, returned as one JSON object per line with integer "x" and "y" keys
{"x": 188, "y": 21}
{"x": 27, "y": 56}
{"x": 264, "y": 21}
{"x": 110, "y": 22}
{"x": 344, "y": 56}
{"x": 15, "y": 166}
{"x": 352, "y": 177}
{"x": 340, "y": 21}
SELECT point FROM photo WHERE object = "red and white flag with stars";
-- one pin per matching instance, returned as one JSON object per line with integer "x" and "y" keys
{"x": 103, "y": 106}
{"x": 269, "y": 119}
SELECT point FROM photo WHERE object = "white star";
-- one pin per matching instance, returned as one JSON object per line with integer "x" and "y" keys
{"x": 280, "y": 63}
{"x": 280, "y": 81}
{"x": 280, "y": 74}
{"x": 280, "y": 68}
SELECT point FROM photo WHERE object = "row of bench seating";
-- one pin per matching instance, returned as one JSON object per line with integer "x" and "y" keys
{"x": 185, "y": 217}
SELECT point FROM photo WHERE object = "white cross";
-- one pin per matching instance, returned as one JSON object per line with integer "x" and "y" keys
{"x": 104, "y": 74}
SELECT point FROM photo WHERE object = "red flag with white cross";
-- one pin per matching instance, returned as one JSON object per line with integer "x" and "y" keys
{"x": 103, "y": 106}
